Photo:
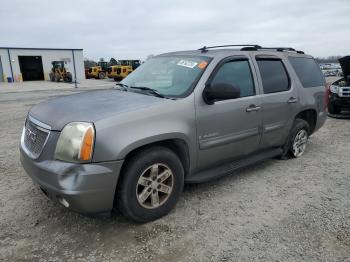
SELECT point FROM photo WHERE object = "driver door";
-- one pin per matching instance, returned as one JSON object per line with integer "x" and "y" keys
{"x": 230, "y": 129}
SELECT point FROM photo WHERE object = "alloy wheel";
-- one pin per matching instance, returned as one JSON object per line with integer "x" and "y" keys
{"x": 154, "y": 186}
{"x": 299, "y": 143}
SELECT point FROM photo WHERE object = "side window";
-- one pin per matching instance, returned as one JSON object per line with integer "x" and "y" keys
{"x": 274, "y": 76}
{"x": 236, "y": 73}
{"x": 308, "y": 72}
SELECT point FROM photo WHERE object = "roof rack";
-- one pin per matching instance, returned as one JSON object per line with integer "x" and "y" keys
{"x": 205, "y": 48}
{"x": 252, "y": 48}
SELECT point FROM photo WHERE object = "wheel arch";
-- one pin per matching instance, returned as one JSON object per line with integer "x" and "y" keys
{"x": 178, "y": 145}
{"x": 310, "y": 116}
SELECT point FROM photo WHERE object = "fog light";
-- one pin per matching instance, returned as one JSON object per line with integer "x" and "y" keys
{"x": 63, "y": 202}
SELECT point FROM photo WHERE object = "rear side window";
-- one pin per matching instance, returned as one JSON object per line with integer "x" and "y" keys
{"x": 236, "y": 73}
{"x": 308, "y": 71}
{"x": 274, "y": 75}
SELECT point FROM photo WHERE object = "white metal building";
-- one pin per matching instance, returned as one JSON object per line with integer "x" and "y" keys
{"x": 30, "y": 64}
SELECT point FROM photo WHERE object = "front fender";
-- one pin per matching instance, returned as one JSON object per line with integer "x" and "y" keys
{"x": 116, "y": 137}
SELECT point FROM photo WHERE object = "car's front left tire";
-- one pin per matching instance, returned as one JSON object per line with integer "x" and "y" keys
{"x": 150, "y": 184}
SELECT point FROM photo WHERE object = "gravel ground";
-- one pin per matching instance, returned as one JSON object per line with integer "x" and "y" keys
{"x": 294, "y": 210}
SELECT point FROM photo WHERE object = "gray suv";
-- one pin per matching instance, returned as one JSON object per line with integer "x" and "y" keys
{"x": 181, "y": 117}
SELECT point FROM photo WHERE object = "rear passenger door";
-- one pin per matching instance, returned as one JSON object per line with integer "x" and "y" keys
{"x": 279, "y": 100}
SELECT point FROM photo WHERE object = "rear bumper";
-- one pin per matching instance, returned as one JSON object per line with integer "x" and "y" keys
{"x": 87, "y": 188}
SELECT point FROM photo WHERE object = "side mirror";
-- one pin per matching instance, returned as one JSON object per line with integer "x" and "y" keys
{"x": 220, "y": 91}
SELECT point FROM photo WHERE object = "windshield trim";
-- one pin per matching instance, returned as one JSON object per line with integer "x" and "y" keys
{"x": 195, "y": 82}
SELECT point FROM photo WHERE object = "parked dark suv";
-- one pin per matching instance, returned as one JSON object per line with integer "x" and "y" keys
{"x": 181, "y": 117}
{"x": 339, "y": 92}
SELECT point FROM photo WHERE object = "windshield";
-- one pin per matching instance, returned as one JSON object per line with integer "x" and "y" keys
{"x": 170, "y": 76}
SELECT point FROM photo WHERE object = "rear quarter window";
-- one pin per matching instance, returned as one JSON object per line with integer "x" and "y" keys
{"x": 308, "y": 71}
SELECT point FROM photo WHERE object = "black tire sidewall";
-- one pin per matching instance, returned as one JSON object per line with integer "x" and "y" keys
{"x": 298, "y": 125}
{"x": 127, "y": 199}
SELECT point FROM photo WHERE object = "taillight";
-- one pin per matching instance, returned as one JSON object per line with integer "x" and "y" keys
{"x": 327, "y": 95}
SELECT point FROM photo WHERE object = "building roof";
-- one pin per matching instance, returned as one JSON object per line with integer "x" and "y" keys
{"x": 38, "y": 48}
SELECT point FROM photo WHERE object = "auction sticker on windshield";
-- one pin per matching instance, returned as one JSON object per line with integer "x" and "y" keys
{"x": 187, "y": 63}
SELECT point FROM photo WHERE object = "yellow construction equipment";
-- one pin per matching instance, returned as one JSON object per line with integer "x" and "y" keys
{"x": 118, "y": 72}
{"x": 122, "y": 69}
{"x": 99, "y": 71}
{"x": 59, "y": 72}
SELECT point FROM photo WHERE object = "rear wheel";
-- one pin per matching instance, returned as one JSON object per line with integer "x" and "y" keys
{"x": 333, "y": 109}
{"x": 299, "y": 137}
{"x": 151, "y": 184}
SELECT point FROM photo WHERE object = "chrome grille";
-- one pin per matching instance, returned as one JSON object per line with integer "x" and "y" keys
{"x": 344, "y": 91}
{"x": 34, "y": 138}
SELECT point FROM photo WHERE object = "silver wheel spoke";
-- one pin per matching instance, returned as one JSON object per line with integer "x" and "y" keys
{"x": 144, "y": 194}
{"x": 164, "y": 188}
{"x": 163, "y": 176}
{"x": 144, "y": 181}
{"x": 154, "y": 170}
{"x": 155, "y": 199}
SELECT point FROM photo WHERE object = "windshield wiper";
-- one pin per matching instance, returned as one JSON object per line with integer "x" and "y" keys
{"x": 124, "y": 86}
{"x": 151, "y": 90}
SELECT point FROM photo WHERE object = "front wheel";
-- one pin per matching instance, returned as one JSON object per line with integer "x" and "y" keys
{"x": 151, "y": 184}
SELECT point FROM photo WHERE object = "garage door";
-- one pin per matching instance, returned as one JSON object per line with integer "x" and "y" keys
{"x": 31, "y": 68}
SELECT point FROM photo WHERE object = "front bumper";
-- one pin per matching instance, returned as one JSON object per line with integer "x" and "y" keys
{"x": 343, "y": 102}
{"x": 87, "y": 188}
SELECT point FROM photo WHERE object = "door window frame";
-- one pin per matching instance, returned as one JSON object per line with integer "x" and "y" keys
{"x": 232, "y": 59}
{"x": 272, "y": 58}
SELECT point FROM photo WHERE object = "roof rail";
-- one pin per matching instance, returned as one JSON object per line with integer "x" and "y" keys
{"x": 252, "y": 48}
{"x": 282, "y": 49}
{"x": 205, "y": 48}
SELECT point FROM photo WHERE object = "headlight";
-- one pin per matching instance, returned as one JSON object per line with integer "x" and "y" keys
{"x": 334, "y": 89}
{"x": 76, "y": 142}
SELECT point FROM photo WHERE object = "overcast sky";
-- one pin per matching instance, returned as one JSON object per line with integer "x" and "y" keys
{"x": 135, "y": 29}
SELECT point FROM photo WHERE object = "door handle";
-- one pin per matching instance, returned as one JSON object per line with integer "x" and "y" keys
{"x": 292, "y": 100}
{"x": 252, "y": 108}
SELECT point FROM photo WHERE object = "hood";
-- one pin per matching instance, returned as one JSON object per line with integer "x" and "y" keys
{"x": 90, "y": 106}
{"x": 345, "y": 65}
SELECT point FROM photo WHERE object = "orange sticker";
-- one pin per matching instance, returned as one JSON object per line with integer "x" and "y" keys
{"x": 202, "y": 64}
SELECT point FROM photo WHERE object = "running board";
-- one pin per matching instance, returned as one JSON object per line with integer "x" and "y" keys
{"x": 222, "y": 170}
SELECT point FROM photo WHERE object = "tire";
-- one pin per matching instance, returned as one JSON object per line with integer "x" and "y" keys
{"x": 68, "y": 78}
{"x": 300, "y": 131}
{"x": 57, "y": 78}
{"x": 136, "y": 183}
{"x": 52, "y": 77}
{"x": 101, "y": 75}
{"x": 333, "y": 109}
